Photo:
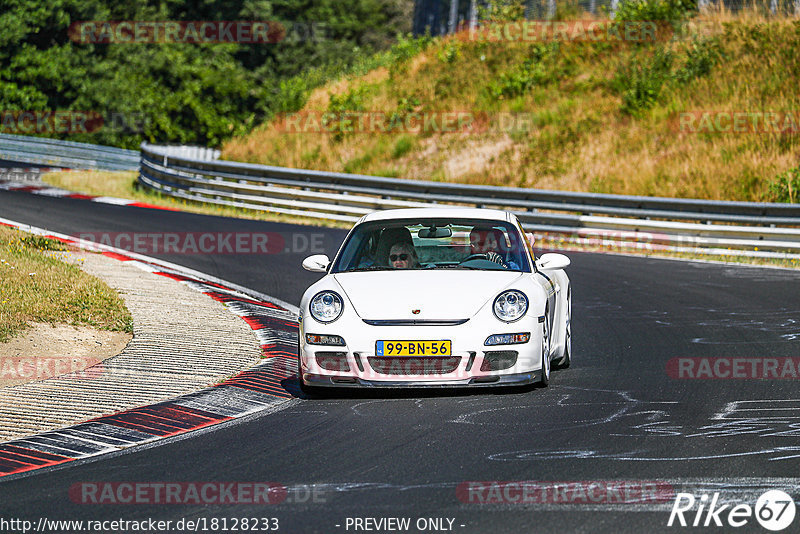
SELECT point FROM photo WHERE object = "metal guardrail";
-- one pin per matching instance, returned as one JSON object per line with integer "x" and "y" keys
{"x": 608, "y": 221}
{"x": 747, "y": 228}
{"x": 66, "y": 154}
{"x": 190, "y": 152}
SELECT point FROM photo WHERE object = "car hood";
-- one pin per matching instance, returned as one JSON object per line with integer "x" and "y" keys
{"x": 440, "y": 294}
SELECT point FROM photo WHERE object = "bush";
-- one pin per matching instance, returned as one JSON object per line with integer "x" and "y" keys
{"x": 785, "y": 187}
{"x": 405, "y": 106}
{"x": 642, "y": 80}
{"x": 501, "y": 10}
{"x": 340, "y": 105}
{"x": 674, "y": 11}
{"x": 701, "y": 57}
{"x": 450, "y": 52}
{"x": 520, "y": 79}
{"x": 185, "y": 92}
{"x": 402, "y": 147}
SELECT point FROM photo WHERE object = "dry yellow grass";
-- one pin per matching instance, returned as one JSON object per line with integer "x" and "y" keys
{"x": 581, "y": 139}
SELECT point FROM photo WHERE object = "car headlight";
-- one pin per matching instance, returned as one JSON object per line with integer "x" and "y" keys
{"x": 510, "y": 306}
{"x": 326, "y": 306}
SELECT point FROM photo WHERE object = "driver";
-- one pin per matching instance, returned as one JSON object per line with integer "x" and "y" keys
{"x": 403, "y": 256}
{"x": 492, "y": 243}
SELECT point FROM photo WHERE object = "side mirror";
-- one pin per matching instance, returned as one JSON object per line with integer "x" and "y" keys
{"x": 318, "y": 263}
{"x": 552, "y": 262}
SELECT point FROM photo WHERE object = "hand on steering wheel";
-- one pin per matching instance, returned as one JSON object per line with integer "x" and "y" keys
{"x": 497, "y": 258}
{"x": 491, "y": 256}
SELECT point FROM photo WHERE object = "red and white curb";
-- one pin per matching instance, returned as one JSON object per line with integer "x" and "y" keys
{"x": 262, "y": 387}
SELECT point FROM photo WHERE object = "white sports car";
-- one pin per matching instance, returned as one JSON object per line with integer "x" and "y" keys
{"x": 435, "y": 297}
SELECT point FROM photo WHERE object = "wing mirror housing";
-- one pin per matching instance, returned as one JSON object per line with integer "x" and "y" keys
{"x": 318, "y": 263}
{"x": 552, "y": 262}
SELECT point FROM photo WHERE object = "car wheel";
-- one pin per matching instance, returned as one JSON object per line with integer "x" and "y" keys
{"x": 565, "y": 360}
{"x": 545, "y": 373}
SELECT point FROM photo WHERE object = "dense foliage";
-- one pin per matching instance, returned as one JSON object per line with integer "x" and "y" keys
{"x": 181, "y": 92}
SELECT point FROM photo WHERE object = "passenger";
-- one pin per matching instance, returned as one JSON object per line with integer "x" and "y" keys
{"x": 388, "y": 238}
{"x": 403, "y": 256}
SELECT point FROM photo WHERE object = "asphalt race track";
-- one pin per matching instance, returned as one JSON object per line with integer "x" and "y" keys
{"x": 615, "y": 415}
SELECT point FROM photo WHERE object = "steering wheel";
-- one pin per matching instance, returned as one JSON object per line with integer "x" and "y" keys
{"x": 490, "y": 256}
{"x": 474, "y": 257}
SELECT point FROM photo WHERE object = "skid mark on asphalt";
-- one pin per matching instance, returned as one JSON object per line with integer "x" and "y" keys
{"x": 639, "y": 455}
{"x": 764, "y": 418}
{"x": 759, "y": 418}
{"x": 781, "y": 325}
{"x": 555, "y": 416}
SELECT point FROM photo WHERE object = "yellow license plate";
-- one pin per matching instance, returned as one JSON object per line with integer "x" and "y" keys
{"x": 413, "y": 348}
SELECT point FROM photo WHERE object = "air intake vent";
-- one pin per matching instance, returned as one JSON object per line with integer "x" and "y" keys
{"x": 332, "y": 361}
{"x": 414, "y": 366}
{"x": 415, "y": 322}
{"x": 498, "y": 360}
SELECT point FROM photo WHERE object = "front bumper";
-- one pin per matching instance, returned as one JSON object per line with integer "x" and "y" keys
{"x": 518, "y": 379}
{"x": 462, "y": 369}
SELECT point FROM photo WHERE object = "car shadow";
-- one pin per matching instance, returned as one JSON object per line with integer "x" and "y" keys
{"x": 292, "y": 386}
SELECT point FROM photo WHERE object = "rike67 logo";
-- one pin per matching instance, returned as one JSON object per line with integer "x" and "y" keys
{"x": 774, "y": 510}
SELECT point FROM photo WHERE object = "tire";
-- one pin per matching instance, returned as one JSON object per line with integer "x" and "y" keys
{"x": 544, "y": 377}
{"x": 566, "y": 359}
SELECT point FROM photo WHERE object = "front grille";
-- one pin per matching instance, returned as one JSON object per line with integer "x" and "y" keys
{"x": 332, "y": 361}
{"x": 414, "y": 366}
{"x": 498, "y": 360}
{"x": 415, "y": 322}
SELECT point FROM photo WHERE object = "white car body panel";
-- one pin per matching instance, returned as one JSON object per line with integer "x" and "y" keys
{"x": 428, "y": 305}
{"x": 430, "y": 292}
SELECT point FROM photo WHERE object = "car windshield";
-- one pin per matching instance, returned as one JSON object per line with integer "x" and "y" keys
{"x": 433, "y": 244}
